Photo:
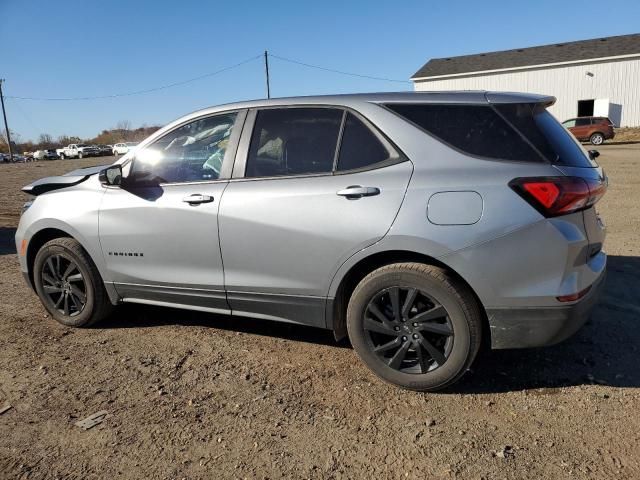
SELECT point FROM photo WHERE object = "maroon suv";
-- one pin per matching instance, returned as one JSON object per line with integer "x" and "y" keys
{"x": 592, "y": 129}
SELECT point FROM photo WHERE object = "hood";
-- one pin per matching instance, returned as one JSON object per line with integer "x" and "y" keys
{"x": 63, "y": 181}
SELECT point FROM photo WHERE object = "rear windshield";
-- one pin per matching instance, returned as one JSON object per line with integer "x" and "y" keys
{"x": 517, "y": 132}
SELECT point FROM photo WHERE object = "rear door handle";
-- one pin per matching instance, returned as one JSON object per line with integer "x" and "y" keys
{"x": 356, "y": 191}
{"x": 197, "y": 198}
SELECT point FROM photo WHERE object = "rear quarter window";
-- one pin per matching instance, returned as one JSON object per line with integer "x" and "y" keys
{"x": 524, "y": 132}
{"x": 473, "y": 129}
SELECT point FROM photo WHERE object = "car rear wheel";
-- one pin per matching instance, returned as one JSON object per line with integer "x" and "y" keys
{"x": 69, "y": 284}
{"x": 596, "y": 138}
{"x": 80, "y": 155}
{"x": 62, "y": 156}
{"x": 415, "y": 325}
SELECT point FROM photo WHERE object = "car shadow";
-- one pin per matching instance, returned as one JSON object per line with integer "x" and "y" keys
{"x": 605, "y": 351}
{"x": 141, "y": 316}
{"x": 7, "y": 241}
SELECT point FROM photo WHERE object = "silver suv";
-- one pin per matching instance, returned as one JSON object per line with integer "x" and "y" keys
{"x": 420, "y": 225}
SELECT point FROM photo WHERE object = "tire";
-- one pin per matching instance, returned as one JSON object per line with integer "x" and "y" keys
{"x": 72, "y": 283}
{"x": 452, "y": 335}
{"x": 596, "y": 138}
{"x": 80, "y": 155}
{"x": 62, "y": 156}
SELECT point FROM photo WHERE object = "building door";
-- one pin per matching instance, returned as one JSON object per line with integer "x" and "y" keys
{"x": 585, "y": 108}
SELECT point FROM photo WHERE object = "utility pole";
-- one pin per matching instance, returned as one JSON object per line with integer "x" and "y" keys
{"x": 266, "y": 69}
{"x": 6, "y": 125}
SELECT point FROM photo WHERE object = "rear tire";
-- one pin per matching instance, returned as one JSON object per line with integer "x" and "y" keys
{"x": 415, "y": 325}
{"x": 62, "y": 156}
{"x": 596, "y": 138}
{"x": 69, "y": 284}
{"x": 80, "y": 155}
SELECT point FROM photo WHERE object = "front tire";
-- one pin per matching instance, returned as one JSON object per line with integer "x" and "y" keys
{"x": 415, "y": 325}
{"x": 69, "y": 284}
{"x": 596, "y": 139}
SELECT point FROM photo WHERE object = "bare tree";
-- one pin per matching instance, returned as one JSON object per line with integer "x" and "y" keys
{"x": 123, "y": 125}
{"x": 45, "y": 140}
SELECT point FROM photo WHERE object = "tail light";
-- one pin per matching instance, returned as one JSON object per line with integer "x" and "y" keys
{"x": 553, "y": 196}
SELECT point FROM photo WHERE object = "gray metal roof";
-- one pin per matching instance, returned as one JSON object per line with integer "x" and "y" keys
{"x": 523, "y": 57}
{"x": 354, "y": 99}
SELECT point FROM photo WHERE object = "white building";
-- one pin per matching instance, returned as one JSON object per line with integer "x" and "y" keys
{"x": 598, "y": 77}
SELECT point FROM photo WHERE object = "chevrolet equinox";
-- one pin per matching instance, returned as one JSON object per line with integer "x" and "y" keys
{"x": 420, "y": 225}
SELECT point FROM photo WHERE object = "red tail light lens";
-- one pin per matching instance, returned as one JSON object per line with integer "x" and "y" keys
{"x": 553, "y": 196}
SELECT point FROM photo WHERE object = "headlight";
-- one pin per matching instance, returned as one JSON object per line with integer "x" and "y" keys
{"x": 26, "y": 206}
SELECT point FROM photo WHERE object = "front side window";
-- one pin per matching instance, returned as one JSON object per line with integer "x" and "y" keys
{"x": 569, "y": 123}
{"x": 293, "y": 141}
{"x": 190, "y": 153}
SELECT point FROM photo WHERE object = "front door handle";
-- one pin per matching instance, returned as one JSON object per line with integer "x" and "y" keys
{"x": 197, "y": 198}
{"x": 356, "y": 191}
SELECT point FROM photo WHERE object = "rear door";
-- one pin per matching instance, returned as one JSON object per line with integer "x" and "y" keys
{"x": 311, "y": 187}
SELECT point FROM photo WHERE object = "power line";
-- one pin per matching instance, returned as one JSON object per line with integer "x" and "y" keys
{"x": 370, "y": 77}
{"x": 139, "y": 92}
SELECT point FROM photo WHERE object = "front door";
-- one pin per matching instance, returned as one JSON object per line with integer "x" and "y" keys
{"x": 159, "y": 229}
{"x": 319, "y": 185}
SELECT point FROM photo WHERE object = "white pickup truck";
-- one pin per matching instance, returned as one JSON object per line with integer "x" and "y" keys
{"x": 78, "y": 150}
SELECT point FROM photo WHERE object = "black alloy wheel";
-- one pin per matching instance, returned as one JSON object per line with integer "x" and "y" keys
{"x": 408, "y": 330}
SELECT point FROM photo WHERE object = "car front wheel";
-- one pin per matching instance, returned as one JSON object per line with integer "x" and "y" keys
{"x": 69, "y": 284}
{"x": 415, "y": 325}
{"x": 596, "y": 139}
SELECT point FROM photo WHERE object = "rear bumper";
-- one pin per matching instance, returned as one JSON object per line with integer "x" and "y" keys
{"x": 540, "y": 326}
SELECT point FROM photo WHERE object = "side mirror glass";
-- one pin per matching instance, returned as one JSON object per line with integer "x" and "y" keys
{"x": 594, "y": 154}
{"x": 111, "y": 175}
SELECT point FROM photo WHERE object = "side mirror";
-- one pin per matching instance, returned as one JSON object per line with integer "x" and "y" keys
{"x": 111, "y": 176}
{"x": 593, "y": 154}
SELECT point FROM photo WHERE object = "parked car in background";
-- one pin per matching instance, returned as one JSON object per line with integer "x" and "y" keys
{"x": 105, "y": 150}
{"x": 48, "y": 154}
{"x": 79, "y": 150}
{"x": 124, "y": 148}
{"x": 421, "y": 225}
{"x": 590, "y": 129}
{"x": 51, "y": 154}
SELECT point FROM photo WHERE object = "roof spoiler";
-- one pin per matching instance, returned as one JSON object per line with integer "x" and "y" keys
{"x": 507, "y": 97}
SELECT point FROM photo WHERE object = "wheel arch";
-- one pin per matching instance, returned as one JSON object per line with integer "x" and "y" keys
{"x": 46, "y": 234}
{"x": 336, "y": 318}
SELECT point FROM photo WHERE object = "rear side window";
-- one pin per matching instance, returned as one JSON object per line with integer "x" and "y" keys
{"x": 473, "y": 129}
{"x": 581, "y": 122}
{"x": 293, "y": 141}
{"x": 520, "y": 132}
{"x": 360, "y": 147}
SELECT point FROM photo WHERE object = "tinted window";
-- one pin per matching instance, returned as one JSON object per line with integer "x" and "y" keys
{"x": 474, "y": 129}
{"x": 190, "y": 153}
{"x": 565, "y": 146}
{"x": 581, "y": 122}
{"x": 360, "y": 147}
{"x": 293, "y": 141}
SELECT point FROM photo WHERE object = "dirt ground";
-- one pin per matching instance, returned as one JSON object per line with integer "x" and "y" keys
{"x": 202, "y": 396}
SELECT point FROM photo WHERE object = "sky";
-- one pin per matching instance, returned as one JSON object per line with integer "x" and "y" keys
{"x": 73, "y": 48}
